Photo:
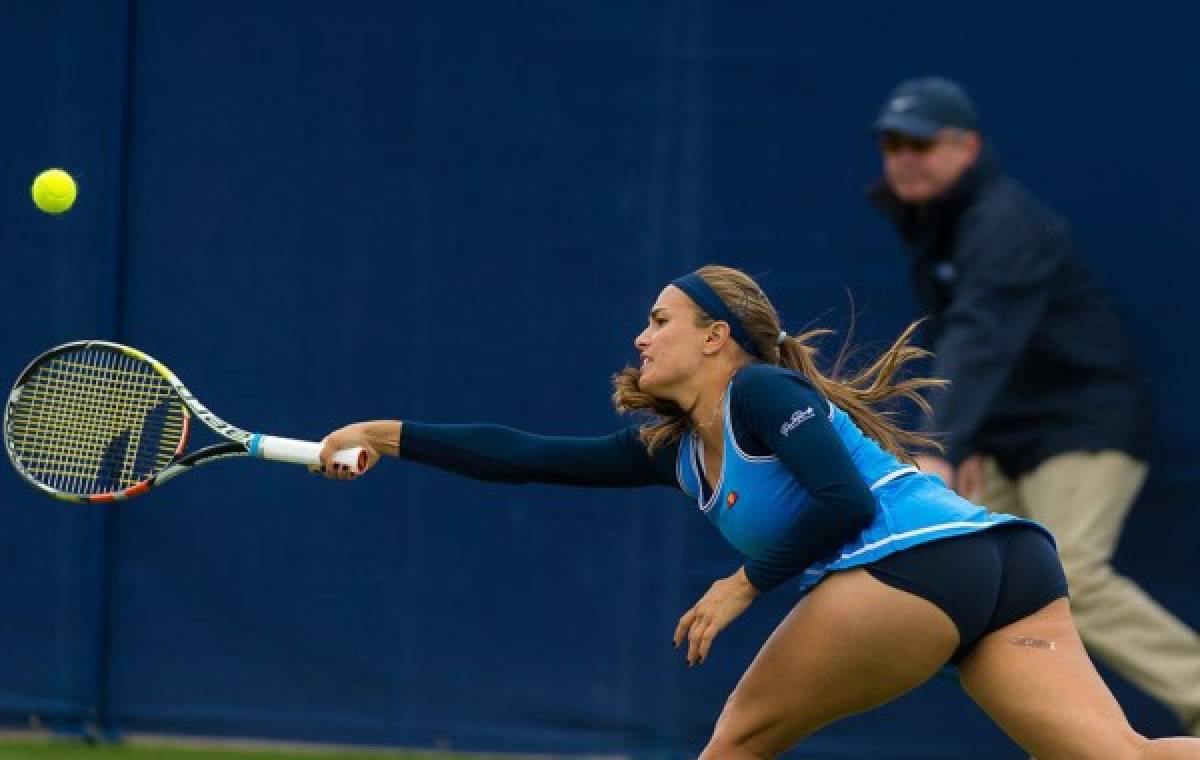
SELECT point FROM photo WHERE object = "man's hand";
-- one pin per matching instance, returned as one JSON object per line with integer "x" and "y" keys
{"x": 722, "y": 603}
{"x": 970, "y": 481}
{"x": 935, "y": 465}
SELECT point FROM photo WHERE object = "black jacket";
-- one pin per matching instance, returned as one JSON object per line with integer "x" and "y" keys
{"x": 1037, "y": 357}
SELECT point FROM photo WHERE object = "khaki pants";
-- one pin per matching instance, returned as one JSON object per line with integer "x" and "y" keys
{"x": 1083, "y": 498}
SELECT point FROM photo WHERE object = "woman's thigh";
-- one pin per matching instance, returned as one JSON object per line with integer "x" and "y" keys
{"x": 1035, "y": 680}
{"x": 853, "y": 643}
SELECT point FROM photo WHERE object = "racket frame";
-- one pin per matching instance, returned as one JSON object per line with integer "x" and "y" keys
{"x": 238, "y": 443}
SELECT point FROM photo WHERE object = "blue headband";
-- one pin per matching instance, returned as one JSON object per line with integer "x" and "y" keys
{"x": 707, "y": 299}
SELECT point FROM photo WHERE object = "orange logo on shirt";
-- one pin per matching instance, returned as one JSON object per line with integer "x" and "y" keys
{"x": 731, "y": 499}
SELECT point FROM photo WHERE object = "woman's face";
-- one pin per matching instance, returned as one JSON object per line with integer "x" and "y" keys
{"x": 672, "y": 345}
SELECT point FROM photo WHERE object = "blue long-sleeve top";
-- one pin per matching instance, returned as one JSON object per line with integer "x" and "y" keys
{"x": 773, "y": 412}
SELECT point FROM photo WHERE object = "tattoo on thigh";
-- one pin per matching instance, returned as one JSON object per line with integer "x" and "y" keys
{"x": 1029, "y": 641}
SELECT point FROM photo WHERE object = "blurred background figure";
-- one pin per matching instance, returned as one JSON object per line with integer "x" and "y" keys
{"x": 1045, "y": 415}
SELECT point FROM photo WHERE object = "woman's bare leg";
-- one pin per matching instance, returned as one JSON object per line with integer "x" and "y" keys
{"x": 853, "y": 643}
{"x": 1036, "y": 681}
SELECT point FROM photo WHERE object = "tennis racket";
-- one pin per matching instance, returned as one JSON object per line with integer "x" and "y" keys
{"x": 92, "y": 421}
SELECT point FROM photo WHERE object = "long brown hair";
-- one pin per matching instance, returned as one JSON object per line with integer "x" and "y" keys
{"x": 861, "y": 395}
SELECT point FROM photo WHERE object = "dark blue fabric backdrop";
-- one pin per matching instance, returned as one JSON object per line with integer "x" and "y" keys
{"x": 460, "y": 211}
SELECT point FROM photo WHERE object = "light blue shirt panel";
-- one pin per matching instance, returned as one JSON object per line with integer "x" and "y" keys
{"x": 757, "y": 499}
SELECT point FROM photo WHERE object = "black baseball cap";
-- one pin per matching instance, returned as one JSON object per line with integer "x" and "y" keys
{"x": 922, "y": 107}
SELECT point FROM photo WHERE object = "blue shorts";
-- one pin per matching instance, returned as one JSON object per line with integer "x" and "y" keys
{"x": 983, "y": 581}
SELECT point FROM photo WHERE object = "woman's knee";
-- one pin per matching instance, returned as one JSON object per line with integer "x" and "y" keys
{"x": 717, "y": 750}
{"x": 1125, "y": 744}
{"x": 1136, "y": 746}
{"x": 742, "y": 731}
{"x": 727, "y": 745}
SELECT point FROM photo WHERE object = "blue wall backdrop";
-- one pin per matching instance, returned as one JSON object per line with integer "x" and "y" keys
{"x": 460, "y": 211}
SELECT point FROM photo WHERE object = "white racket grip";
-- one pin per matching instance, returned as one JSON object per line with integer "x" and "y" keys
{"x": 303, "y": 452}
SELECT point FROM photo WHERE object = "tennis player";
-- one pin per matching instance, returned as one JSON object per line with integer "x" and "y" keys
{"x": 799, "y": 471}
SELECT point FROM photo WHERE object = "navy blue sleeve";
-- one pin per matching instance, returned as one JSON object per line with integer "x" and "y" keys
{"x": 504, "y": 455}
{"x": 765, "y": 401}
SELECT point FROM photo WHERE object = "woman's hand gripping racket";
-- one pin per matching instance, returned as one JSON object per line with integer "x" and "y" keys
{"x": 92, "y": 421}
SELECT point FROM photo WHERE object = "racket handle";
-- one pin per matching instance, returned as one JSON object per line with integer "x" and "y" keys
{"x": 303, "y": 452}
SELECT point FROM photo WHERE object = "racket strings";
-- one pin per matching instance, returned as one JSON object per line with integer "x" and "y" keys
{"x": 60, "y": 434}
{"x": 89, "y": 435}
{"x": 95, "y": 421}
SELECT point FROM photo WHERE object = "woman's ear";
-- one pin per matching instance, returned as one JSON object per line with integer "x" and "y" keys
{"x": 718, "y": 334}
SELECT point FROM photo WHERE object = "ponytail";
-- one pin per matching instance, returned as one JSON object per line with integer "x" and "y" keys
{"x": 865, "y": 396}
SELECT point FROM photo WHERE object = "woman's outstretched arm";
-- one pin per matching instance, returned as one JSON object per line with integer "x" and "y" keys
{"x": 505, "y": 455}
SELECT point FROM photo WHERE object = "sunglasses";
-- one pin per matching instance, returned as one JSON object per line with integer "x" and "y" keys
{"x": 894, "y": 142}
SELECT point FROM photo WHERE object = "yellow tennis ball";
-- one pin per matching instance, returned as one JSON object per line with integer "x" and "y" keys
{"x": 53, "y": 191}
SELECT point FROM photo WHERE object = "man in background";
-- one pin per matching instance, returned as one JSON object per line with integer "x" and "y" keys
{"x": 1045, "y": 415}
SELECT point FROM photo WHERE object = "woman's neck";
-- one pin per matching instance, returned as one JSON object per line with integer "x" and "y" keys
{"x": 708, "y": 411}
